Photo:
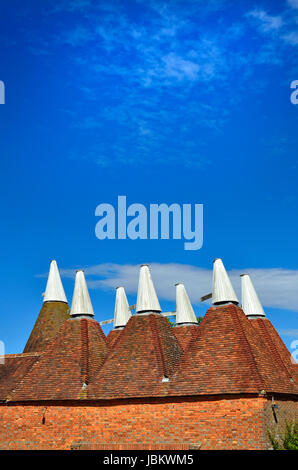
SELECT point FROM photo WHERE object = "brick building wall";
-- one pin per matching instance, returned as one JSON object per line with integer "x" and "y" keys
{"x": 208, "y": 423}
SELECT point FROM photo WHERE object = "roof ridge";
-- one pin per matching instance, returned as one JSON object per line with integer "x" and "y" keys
{"x": 273, "y": 349}
{"x": 22, "y": 355}
{"x": 194, "y": 336}
{"x": 247, "y": 348}
{"x": 84, "y": 351}
{"x": 114, "y": 343}
{"x": 184, "y": 334}
{"x": 158, "y": 347}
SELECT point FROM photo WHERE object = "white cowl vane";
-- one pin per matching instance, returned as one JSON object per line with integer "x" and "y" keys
{"x": 54, "y": 290}
{"x": 251, "y": 304}
{"x": 222, "y": 289}
{"x": 184, "y": 310}
{"x": 122, "y": 313}
{"x": 147, "y": 300}
{"x": 81, "y": 303}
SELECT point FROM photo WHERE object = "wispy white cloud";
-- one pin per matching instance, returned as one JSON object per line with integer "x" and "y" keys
{"x": 293, "y": 3}
{"x": 165, "y": 60}
{"x": 179, "y": 67}
{"x": 166, "y": 64}
{"x": 279, "y": 27}
{"x": 291, "y": 38}
{"x": 158, "y": 55}
{"x": 265, "y": 21}
{"x": 277, "y": 287}
{"x": 292, "y": 333}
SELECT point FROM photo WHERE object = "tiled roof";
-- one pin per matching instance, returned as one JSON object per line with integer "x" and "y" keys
{"x": 113, "y": 337}
{"x": 68, "y": 363}
{"x": 184, "y": 334}
{"x": 227, "y": 355}
{"x": 49, "y": 321}
{"x": 276, "y": 346}
{"x": 146, "y": 352}
{"x": 15, "y": 367}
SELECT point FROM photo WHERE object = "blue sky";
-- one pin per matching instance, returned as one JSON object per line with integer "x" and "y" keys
{"x": 174, "y": 102}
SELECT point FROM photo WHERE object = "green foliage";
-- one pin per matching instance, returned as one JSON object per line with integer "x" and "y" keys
{"x": 290, "y": 439}
{"x": 172, "y": 320}
{"x": 274, "y": 442}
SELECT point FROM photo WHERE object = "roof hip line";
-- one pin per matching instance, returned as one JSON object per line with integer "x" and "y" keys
{"x": 158, "y": 348}
{"x": 84, "y": 351}
{"x": 250, "y": 356}
{"x": 94, "y": 374}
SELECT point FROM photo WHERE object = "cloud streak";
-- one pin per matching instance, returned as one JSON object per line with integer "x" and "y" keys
{"x": 266, "y": 22}
{"x": 163, "y": 73}
{"x": 278, "y": 27}
{"x": 277, "y": 287}
{"x": 293, "y": 3}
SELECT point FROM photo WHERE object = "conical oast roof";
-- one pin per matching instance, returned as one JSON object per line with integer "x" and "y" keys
{"x": 251, "y": 304}
{"x": 66, "y": 367}
{"x": 147, "y": 300}
{"x": 53, "y": 314}
{"x": 253, "y": 309}
{"x": 146, "y": 352}
{"x": 122, "y": 313}
{"x": 49, "y": 321}
{"x": 81, "y": 302}
{"x": 239, "y": 362}
{"x": 184, "y": 310}
{"x": 278, "y": 350}
{"x": 222, "y": 289}
{"x": 54, "y": 290}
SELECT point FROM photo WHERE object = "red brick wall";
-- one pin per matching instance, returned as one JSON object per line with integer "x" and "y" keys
{"x": 225, "y": 423}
